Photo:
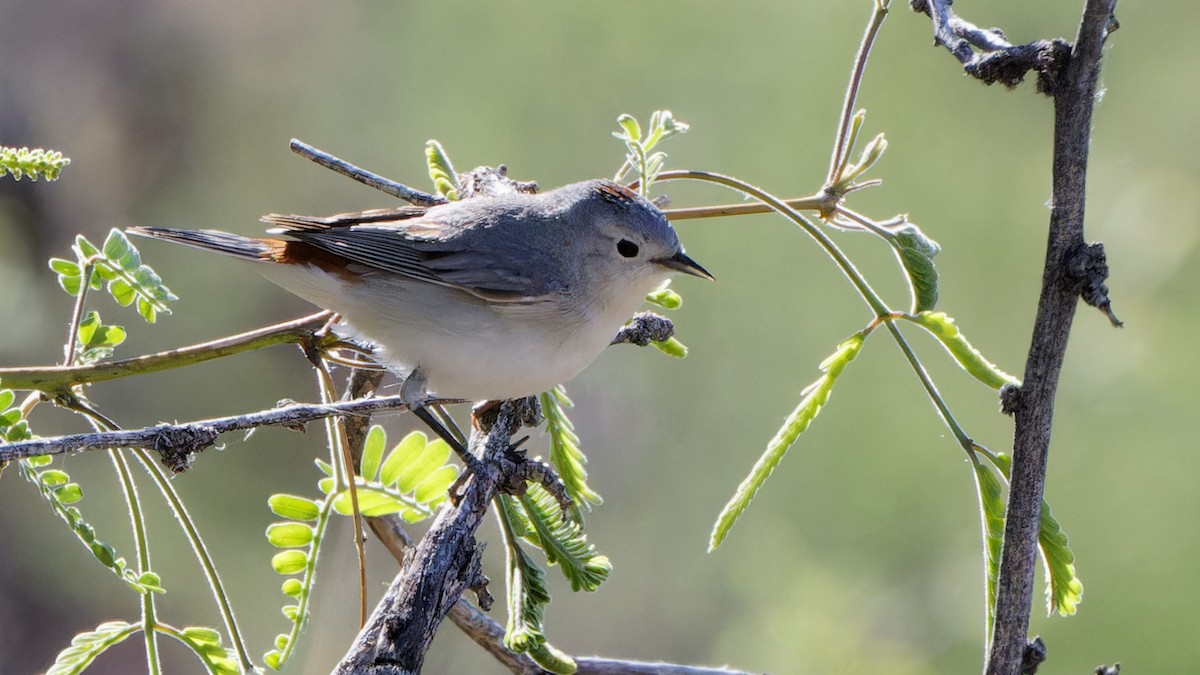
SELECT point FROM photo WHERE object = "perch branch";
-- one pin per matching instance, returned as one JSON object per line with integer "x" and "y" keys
{"x": 1033, "y": 404}
{"x": 54, "y": 379}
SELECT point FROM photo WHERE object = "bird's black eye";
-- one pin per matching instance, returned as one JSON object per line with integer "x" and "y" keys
{"x": 627, "y": 248}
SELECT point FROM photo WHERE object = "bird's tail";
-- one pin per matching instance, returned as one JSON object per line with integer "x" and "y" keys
{"x": 214, "y": 240}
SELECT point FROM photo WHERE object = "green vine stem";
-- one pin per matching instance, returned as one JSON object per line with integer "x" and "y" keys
{"x": 343, "y": 466}
{"x": 881, "y": 310}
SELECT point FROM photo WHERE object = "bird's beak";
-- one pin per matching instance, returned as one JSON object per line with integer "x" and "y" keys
{"x": 681, "y": 263}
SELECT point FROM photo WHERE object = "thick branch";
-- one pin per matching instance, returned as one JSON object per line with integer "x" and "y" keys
{"x": 444, "y": 565}
{"x": 1034, "y": 403}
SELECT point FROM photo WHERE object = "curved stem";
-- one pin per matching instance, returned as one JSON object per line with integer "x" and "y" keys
{"x": 202, "y": 555}
{"x": 141, "y": 542}
{"x": 882, "y": 312}
{"x": 149, "y": 617}
{"x": 339, "y": 450}
{"x": 843, "y": 262}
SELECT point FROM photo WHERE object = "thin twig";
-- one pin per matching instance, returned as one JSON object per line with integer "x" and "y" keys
{"x": 1033, "y": 404}
{"x": 385, "y": 185}
{"x": 817, "y": 202}
{"x": 841, "y": 149}
{"x": 178, "y": 441}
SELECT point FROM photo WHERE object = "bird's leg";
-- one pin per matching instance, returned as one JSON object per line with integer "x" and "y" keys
{"x": 415, "y": 394}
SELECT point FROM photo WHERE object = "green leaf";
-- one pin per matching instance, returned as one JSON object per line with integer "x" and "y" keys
{"x": 289, "y": 562}
{"x": 564, "y": 542}
{"x": 87, "y": 328}
{"x": 407, "y": 451}
{"x": 10, "y": 417}
{"x": 6, "y": 398}
{"x": 122, "y": 292}
{"x": 72, "y": 285}
{"x": 70, "y": 493}
{"x": 916, "y": 253}
{"x": 372, "y": 452}
{"x": 65, "y": 268}
{"x": 671, "y": 347}
{"x": 942, "y": 327}
{"x": 85, "y": 647}
{"x": 146, "y": 310}
{"x": 527, "y": 591}
{"x": 633, "y": 130}
{"x": 289, "y": 534}
{"x": 85, "y": 249}
{"x": 53, "y": 478}
{"x": 150, "y": 581}
{"x": 552, "y": 659}
{"x": 116, "y": 245}
{"x": 110, "y": 336}
{"x": 292, "y": 587}
{"x": 814, "y": 398}
{"x": 565, "y": 453}
{"x": 206, "y": 644}
{"x": 435, "y": 485}
{"x": 991, "y": 512}
{"x": 665, "y": 298}
{"x": 371, "y": 502}
{"x": 273, "y": 659}
{"x": 436, "y": 453}
{"x": 441, "y": 171}
{"x": 293, "y": 507}
{"x": 1064, "y": 589}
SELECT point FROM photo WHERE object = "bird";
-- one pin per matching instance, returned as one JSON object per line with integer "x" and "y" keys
{"x": 490, "y": 297}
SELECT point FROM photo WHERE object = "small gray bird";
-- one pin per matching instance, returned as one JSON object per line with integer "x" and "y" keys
{"x": 492, "y": 297}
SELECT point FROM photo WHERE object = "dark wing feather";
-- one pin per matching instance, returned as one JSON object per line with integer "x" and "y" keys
{"x": 293, "y": 223}
{"x": 401, "y": 242}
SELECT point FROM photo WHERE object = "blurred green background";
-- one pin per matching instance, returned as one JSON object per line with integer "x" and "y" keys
{"x": 863, "y": 553}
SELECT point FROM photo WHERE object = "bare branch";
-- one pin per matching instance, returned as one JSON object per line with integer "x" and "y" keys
{"x": 385, "y": 185}
{"x": 1033, "y": 403}
{"x": 176, "y": 443}
{"x": 996, "y": 60}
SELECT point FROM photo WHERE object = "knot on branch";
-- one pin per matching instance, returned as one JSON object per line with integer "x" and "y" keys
{"x": 644, "y": 328}
{"x": 489, "y": 181}
{"x": 1010, "y": 399}
{"x": 177, "y": 445}
{"x": 527, "y": 412}
{"x": 1035, "y": 653}
{"x": 987, "y": 55}
{"x": 1008, "y": 66}
{"x": 1086, "y": 270}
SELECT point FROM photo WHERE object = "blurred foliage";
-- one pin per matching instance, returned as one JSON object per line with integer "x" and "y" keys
{"x": 867, "y": 559}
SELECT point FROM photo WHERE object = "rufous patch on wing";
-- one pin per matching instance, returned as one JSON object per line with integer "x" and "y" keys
{"x": 299, "y": 253}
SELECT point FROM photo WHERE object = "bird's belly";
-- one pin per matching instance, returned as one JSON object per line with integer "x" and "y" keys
{"x": 465, "y": 347}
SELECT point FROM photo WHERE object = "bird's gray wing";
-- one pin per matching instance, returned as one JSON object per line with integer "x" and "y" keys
{"x": 426, "y": 249}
